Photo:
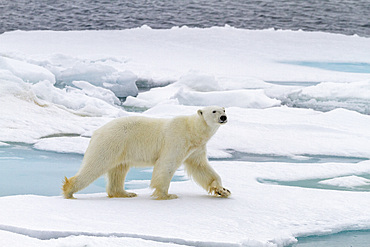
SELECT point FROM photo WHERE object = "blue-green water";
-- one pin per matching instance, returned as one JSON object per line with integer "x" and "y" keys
{"x": 25, "y": 170}
{"x": 341, "y": 239}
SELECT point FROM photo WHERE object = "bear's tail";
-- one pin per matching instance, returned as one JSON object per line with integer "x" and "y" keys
{"x": 68, "y": 188}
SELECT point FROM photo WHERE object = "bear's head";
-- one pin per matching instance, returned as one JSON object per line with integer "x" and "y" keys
{"x": 213, "y": 115}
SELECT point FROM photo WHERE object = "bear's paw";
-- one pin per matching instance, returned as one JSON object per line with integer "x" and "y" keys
{"x": 222, "y": 192}
{"x": 123, "y": 194}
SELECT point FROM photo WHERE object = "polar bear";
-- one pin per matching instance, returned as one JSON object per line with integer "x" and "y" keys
{"x": 137, "y": 141}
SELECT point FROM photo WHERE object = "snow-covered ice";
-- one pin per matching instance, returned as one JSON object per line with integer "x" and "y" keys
{"x": 283, "y": 98}
{"x": 267, "y": 214}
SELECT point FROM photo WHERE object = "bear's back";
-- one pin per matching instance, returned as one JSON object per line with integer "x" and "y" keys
{"x": 135, "y": 126}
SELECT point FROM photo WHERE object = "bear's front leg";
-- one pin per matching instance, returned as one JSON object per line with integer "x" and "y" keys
{"x": 198, "y": 167}
{"x": 161, "y": 178}
{"x": 161, "y": 187}
{"x": 160, "y": 195}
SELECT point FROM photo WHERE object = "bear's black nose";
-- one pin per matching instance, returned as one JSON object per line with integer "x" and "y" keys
{"x": 223, "y": 118}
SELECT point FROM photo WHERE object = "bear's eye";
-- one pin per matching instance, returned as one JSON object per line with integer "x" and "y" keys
{"x": 214, "y": 112}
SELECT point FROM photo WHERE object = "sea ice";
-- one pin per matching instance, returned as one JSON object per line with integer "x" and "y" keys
{"x": 54, "y": 94}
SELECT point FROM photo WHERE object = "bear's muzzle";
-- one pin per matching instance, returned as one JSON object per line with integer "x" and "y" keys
{"x": 223, "y": 119}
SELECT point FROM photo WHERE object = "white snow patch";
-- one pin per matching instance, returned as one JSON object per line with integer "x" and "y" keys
{"x": 347, "y": 181}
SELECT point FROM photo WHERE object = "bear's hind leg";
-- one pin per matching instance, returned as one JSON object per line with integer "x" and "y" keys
{"x": 116, "y": 182}
{"x": 82, "y": 179}
{"x": 77, "y": 183}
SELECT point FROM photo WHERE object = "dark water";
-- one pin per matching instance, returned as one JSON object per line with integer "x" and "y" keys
{"x": 337, "y": 16}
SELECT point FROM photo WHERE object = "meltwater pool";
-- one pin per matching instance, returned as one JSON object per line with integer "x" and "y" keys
{"x": 25, "y": 170}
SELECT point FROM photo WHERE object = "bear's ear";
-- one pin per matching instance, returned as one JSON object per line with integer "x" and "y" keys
{"x": 200, "y": 113}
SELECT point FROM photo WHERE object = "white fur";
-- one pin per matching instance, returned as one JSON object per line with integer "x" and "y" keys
{"x": 140, "y": 142}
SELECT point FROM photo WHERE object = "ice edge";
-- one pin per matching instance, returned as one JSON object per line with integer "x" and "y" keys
{"x": 48, "y": 235}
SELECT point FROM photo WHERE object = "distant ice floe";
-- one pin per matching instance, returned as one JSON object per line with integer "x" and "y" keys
{"x": 121, "y": 83}
{"x": 26, "y": 71}
{"x": 195, "y": 88}
{"x": 37, "y": 84}
{"x": 327, "y": 96}
{"x": 87, "y": 101}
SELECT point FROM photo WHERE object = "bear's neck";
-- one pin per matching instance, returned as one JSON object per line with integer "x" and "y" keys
{"x": 201, "y": 130}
